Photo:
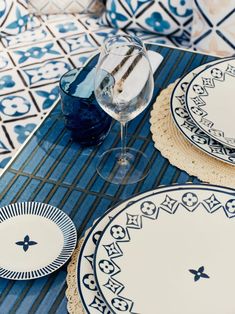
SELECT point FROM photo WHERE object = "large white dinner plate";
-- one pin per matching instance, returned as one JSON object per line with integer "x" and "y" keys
{"x": 187, "y": 126}
{"x": 87, "y": 288}
{"x": 171, "y": 253}
{"x": 36, "y": 239}
{"x": 210, "y": 101}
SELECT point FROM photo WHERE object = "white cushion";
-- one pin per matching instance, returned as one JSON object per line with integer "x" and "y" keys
{"x": 40, "y": 7}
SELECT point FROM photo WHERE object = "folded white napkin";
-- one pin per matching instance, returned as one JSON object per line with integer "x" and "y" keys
{"x": 155, "y": 59}
{"x": 138, "y": 77}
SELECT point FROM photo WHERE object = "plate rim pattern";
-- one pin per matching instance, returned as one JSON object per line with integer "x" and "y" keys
{"x": 230, "y": 160}
{"x": 197, "y": 123}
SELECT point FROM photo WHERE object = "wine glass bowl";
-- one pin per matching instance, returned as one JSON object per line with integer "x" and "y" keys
{"x": 123, "y": 89}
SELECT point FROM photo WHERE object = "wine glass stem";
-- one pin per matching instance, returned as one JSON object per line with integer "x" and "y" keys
{"x": 123, "y": 159}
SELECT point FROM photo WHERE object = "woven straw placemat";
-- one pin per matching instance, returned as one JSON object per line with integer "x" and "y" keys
{"x": 180, "y": 152}
{"x": 74, "y": 305}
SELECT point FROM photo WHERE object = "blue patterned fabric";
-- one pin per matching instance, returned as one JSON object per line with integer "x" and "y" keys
{"x": 14, "y": 17}
{"x": 213, "y": 31}
{"x": 166, "y": 17}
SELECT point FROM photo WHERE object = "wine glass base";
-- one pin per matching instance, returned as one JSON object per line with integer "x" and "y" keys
{"x": 114, "y": 169}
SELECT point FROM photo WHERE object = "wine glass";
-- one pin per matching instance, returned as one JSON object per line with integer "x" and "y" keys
{"x": 123, "y": 88}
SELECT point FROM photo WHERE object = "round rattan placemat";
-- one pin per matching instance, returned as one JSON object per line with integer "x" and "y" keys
{"x": 74, "y": 305}
{"x": 180, "y": 152}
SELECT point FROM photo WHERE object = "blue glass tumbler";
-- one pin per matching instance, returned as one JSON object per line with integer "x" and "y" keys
{"x": 88, "y": 123}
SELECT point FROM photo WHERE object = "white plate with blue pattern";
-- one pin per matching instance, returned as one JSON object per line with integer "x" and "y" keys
{"x": 87, "y": 287}
{"x": 36, "y": 239}
{"x": 187, "y": 126}
{"x": 210, "y": 101}
{"x": 170, "y": 252}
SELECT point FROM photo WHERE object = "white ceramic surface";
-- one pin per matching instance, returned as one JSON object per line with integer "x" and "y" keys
{"x": 170, "y": 253}
{"x": 86, "y": 285}
{"x": 188, "y": 127}
{"x": 210, "y": 101}
{"x": 37, "y": 239}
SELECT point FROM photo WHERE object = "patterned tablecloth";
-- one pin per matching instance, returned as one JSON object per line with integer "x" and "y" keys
{"x": 53, "y": 169}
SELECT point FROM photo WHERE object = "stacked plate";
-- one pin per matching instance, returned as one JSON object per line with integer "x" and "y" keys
{"x": 203, "y": 109}
{"x": 167, "y": 251}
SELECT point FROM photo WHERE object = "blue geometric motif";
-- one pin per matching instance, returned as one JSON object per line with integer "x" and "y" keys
{"x": 98, "y": 304}
{"x": 2, "y": 7}
{"x": 50, "y": 70}
{"x": 81, "y": 42}
{"x": 96, "y": 237}
{"x": 217, "y": 74}
{"x": 230, "y": 207}
{"x": 208, "y": 82}
{"x": 198, "y": 273}
{"x": 180, "y": 8}
{"x": 230, "y": 70}
{"x": 67, "y": 27}
{"x": 83, "y": 59}
{"x": 120, "y": 304}
{"x": 24, "y": 131}
{"x": 3, "y": 62}
{"x": 136, "y": 5}
{"x": 36, "y": 52}
{"x": 112, "y": 249}
{"x": 157, "y": 22}
{"x": 89, "y": 282}
{"x": 50, "y": 97}
{"x": 3, "y": 148}
{"x": 148, "y": 208}
{"x": 14, "y": 106}
{"x": 133, "y": 221}
{"x": 118, "y": 232}
{"x": 106, "y": 266}
{"x": 115, "y": 16}
{"x": 189, "y": 199}
{"x": 107, "y": 34}
{"x": 28, "y": 37}
{"x": 20, "y": 23}
{"x": 169, "y": 203}
{"x": 26, "y": 243}
{"x": 5, "y": 161}
{"x": 113, "y": 286}
{"x": 6, "y": 81}
{"x": 212, "y": 203}
{"x": 90, "y": 259}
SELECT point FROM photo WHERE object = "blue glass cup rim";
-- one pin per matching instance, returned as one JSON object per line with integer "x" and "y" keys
{"x": 63, "y": 76}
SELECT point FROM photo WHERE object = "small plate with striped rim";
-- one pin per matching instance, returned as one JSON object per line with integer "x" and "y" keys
{"x": 36, "y": 239}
